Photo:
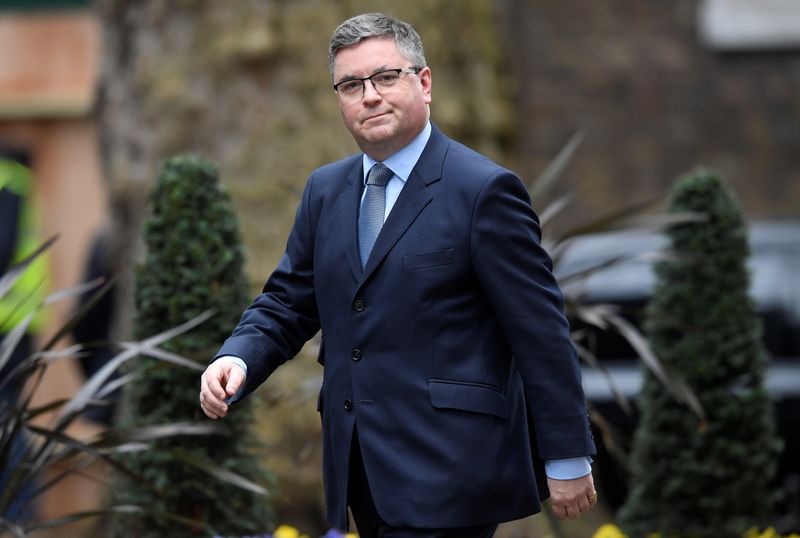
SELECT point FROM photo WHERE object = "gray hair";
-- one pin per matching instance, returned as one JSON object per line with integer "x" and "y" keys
{"x": 369, "y": 25}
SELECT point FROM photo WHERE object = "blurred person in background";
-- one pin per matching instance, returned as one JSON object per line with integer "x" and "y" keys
{"x": 451, "y": 398}
{"x": 93, "y": 327}
{"x": 18, "y": 239}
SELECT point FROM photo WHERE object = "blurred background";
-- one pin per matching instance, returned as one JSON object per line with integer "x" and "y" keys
{"x": 101, "y": 92}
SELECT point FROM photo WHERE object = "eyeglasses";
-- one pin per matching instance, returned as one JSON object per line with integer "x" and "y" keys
{"x": 383, "y": 81}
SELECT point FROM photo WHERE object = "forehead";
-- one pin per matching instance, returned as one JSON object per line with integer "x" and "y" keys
{"x": 367, "y": 57}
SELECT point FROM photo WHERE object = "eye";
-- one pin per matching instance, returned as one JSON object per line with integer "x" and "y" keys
{"x": 387, "y": 77}
{"x": 350, "y": 86}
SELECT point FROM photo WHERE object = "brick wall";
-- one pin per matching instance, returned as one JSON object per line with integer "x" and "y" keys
{"x": 654, "y": 103}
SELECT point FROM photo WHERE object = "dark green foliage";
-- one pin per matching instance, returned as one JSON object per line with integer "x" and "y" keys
{"x": 194, "y": 262}
{"x": 693, "y": 477}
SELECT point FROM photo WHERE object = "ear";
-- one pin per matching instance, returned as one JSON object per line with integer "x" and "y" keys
{"x": 427, "y": 84}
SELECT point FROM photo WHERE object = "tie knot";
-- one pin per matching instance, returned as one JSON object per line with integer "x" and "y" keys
{"x": 379, "y": 175}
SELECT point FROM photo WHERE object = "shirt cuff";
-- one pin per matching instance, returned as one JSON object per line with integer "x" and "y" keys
{"x": 240, "y": 363}
{"x": 568, "y": 468}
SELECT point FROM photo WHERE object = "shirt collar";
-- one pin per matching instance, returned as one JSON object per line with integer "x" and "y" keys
{"x": 402, "y": 162}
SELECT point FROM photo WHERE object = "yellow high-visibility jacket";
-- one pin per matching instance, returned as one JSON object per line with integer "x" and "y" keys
{"x": 29, "y": 291}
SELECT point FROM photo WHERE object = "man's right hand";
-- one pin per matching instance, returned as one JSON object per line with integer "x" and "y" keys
{"x": 222, "y": 379}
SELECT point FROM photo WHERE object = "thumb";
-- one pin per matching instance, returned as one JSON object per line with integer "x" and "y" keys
{"x": 235, "y": 380}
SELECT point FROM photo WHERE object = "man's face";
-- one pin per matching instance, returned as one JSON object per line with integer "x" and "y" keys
{"x": 382, "y": 123}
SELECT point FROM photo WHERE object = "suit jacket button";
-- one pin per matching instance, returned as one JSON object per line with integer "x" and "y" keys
{"x": 356, "y": 355}
{"x": 348, "y": 404}
{"x": 359, "y": 305}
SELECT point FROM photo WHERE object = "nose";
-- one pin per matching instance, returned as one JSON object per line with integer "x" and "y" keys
{"x": 371, "y": 94}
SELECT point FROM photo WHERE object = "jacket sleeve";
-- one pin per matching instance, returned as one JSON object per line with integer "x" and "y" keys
{"x": 516, "y": 275}
{"x": 10, "y": 205}
{"x": 284, "y": 316}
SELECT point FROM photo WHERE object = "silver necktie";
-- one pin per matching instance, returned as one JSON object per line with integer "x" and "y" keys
{"x": 370, "y": 219}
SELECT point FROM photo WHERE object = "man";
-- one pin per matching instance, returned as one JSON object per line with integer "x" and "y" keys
{"x": 449, "y": 376}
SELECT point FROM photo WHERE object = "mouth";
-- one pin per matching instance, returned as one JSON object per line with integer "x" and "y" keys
{"x": 374, "y": 116}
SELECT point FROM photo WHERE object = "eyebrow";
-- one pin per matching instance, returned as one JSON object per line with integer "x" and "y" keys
{"x": 347, "y": 77}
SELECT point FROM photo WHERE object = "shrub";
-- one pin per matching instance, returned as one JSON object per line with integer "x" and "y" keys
{"x": 194, "y": 262}
{"x": 704, "y": 477}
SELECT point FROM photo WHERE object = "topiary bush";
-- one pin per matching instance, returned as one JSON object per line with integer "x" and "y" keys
{"x": 707, "y": 477}
{"x": 194, "y": 262}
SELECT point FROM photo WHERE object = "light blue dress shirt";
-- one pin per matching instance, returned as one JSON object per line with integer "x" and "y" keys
{"x": 401, "y": 164}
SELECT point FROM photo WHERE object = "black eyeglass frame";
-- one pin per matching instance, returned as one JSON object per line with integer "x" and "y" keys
{"x": 415, "y": 70}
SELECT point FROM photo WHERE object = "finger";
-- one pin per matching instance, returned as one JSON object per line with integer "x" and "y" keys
{"x": 212, "y": 394}
{"x": 208, "y": 413}
{"x": 573, "y": 512}
{"x": 212, "y": 405}
{"x": 584, "y": 504}
{"x": 559, "y": 508}
{"x": 212, "y": 380}
{"x": 235, "y": 380}
{"x": 593, "y": 499}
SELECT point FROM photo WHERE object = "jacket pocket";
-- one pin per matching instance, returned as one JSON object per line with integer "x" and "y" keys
{"x": 465, "y": 396}
{"x": 425, "y": 260}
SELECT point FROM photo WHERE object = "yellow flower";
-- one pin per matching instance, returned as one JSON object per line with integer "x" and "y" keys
{"x": 608, "y": 531}
{"x": 753, "y": 532}
{"x": 285, "y": 531}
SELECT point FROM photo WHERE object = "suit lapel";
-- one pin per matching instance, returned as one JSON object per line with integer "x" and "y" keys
{"x": 412, "y": 200}
{"x": 349, "y": 202}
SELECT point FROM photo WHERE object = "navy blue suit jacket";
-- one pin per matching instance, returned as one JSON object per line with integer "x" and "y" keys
{"x": 450, "y": 350}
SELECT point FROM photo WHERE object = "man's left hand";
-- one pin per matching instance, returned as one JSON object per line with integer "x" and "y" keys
{"x": 573, "y": 497}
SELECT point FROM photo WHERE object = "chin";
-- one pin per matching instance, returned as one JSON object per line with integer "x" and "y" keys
{"x": 377, "y": 135}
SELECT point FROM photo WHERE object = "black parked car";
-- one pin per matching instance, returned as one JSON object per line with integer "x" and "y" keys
{"x": 775, "y": 288}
